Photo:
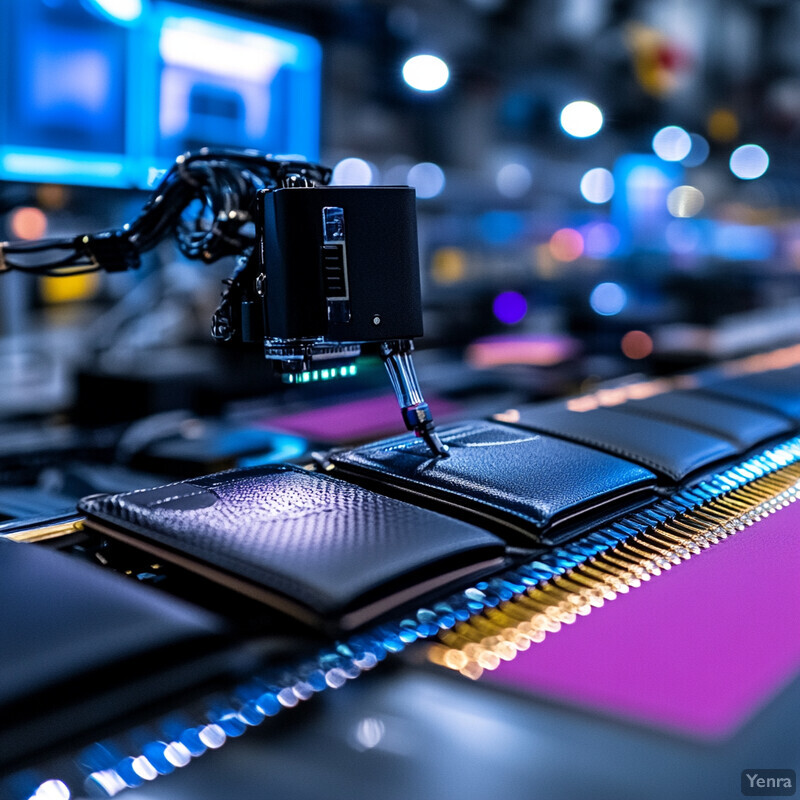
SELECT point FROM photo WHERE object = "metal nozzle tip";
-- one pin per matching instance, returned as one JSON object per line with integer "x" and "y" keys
{"x": 436, "y": 445}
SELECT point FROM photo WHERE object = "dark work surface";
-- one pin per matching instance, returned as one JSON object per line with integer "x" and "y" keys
{"x": 414, "y": 733}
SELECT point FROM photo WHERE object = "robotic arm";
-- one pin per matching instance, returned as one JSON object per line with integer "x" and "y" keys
{"x": 322, "y": 272}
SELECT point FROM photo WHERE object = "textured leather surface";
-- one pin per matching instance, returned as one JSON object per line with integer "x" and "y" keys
{"x": 500, "y": 470}
{"x": 777, "y": 390}
{"x": 315, "y": 539}
{"x": 745, "y": 426}
{"x": 63, "y": 618}
{"x": 669, "y": 449}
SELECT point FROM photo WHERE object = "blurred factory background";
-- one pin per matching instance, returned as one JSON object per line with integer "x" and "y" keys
{"x": 606, "y": 189}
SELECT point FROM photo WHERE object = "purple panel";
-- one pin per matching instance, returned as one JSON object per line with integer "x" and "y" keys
{"x": 697, "y": 650}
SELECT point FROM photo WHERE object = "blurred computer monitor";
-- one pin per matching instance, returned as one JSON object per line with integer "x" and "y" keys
{"x": 105, "y": 98}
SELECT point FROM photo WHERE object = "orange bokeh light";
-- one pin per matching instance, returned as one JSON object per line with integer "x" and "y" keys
{"x": 566, "y": 244}
{"x": 28, "y": 223}
{"x": 637, "y": 344}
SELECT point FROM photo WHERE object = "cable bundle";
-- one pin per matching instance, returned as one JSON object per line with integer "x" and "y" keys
{"x": 206, "y": 200}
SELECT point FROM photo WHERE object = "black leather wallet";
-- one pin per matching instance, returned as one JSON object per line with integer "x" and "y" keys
{"x": 671, "y": 450}
{"x": 330, "y": 554}
{"x": 81, "y": 645}
{"x": 742, "y": 425}
{"x": 522, "y": 485}
{"x": 777, "y": 390}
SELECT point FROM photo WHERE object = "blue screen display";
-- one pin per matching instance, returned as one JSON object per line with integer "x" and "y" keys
{"x": 63, "y": 111}
{"x": 109, "y": 92}
{"x": 221, "y": 83}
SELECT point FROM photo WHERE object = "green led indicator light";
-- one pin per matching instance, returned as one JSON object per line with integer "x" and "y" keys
{"x": 315, "y": 375}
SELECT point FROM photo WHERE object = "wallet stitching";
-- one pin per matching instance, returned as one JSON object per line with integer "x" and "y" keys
{"x": 765, "y": 427}
{"x": 538, "y": 519}
{"x": 176, "y": 497}
{"x": 449, "y": 438}
{"x": 124, "y": 495}
{"x": 621, "y": 451}
{"x": 297, "y": 513}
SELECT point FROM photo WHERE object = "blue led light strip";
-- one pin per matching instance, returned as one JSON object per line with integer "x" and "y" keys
{"x": 759, "y": 486}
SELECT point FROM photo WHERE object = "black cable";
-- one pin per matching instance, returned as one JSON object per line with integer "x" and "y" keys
{"x": 205, "y": 200}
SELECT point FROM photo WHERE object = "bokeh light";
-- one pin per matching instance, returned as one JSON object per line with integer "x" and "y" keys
{"x": 685, "y": 201}
{"x": 723, "y": 125}
{"x": 749, "y": 161}
{"x": 510, "y": 307}
{"x": 501, "y": 227}
{"x": 672, "y": 143}
{"x": 601, "y": 239}
{"x": 535, "y": 349}
{"x": 566, "y": 244}
{"x": 513, "y": 180}
{"x": 646, "y": 184}
{"x": 52, "y": 196}
{"x": 683, "y": 236}
{"x": 353, "y": 172}
{"x": 52, "y": 790}
{"x": 119, "y": 10}
{"x": 426, "y": 73}
{"x": 608, "y": 299}
{"x": 427, "y": 178}
{"x": 28, "y": 222}
{"x": 597, "y": 185}
{"x": 636, "y": 345}
{"x": 581, "y": 119}
{"x": 448, "y": 265}
{"x": 698, "y": 154}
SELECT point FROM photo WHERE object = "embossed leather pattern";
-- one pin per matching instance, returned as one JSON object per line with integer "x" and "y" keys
{"x": 501, "y": 473}
{"x": 744, "y": 426}
{"x": 318, "y": 541}
{"x": 671, "y": 450}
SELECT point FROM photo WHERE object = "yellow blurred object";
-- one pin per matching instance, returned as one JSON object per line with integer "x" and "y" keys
{"x": 723, "y": 125}
{"x": 659, "y": 64}
{"x": 544, "y": 265}
{"x": 69, "y": 289}
{"x": 449, "y": 265}
{"x": 52, "y": 196}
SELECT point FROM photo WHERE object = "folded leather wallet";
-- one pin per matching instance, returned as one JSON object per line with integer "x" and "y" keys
{"x": 742, "y": 425}
{"x": 673, "y": 451}
{"x": 520, "y": 484}
{"x": 82, "y": 645}
{"x": 328, "y": 553}
{"x": 777, "y": 390}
